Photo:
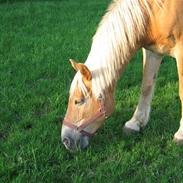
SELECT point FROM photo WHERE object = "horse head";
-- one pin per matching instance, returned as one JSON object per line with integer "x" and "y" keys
{"x": 85, "y": 112}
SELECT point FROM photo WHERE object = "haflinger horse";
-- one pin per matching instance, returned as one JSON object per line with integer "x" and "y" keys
{"x": 128, "y": 25}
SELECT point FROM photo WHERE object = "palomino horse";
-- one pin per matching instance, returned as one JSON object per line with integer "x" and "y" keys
{"x": 154, "y": 25}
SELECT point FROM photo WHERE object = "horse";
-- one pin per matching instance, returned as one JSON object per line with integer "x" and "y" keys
{"x": 156, "y": 26}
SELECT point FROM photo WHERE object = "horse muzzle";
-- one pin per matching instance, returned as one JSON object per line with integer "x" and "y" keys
{"x": 73, "y": 140}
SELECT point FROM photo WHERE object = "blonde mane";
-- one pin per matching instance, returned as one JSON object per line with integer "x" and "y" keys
{"x": 118, "y": 33}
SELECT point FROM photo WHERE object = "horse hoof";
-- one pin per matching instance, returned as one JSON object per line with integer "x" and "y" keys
{"x": 178, "y": 141}
{"x": 178, "y": 138}
{"x": 129, "y": 131}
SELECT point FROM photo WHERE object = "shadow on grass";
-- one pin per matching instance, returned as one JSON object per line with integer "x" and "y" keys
{"x": 160, "y": 129}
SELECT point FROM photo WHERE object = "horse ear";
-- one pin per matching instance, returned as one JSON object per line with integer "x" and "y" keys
{"x": 82, "y": 68}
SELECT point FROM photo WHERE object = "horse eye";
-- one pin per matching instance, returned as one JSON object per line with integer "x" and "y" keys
{"x": 79, "y": 102}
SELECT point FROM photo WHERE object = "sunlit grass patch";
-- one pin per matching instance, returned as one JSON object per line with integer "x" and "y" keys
{"x": 37, "y": 39}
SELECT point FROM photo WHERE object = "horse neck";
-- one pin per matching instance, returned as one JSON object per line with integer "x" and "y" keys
{"x": 104, "y": 78}
{"x": 116, "y": 40}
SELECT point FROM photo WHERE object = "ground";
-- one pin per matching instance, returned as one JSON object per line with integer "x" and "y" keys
{"x": 37, "y": 38}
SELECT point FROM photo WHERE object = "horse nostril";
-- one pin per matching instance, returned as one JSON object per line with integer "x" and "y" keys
{"x": 66, "y": 142}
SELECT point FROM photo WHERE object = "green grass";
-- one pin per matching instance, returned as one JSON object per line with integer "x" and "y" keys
{"x": 36, "y": 40}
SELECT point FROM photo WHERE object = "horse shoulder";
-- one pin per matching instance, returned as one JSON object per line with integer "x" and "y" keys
{"x": 165, "y": 27}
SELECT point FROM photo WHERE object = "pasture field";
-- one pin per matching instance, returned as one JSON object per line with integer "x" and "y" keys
{"x": 37, "y": 38}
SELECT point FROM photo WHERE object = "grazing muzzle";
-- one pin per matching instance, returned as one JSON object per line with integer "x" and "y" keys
{"x": 73, "y": 140}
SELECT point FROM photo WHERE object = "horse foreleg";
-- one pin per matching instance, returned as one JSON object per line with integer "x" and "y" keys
{"x": 151, "y": 63}
{"x": 178, "y": 137}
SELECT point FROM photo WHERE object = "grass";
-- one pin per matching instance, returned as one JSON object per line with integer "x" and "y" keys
{"x": 37, "y": 39}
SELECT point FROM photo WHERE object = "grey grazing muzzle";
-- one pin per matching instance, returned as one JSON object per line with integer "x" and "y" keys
{"x": 73, "y": 140}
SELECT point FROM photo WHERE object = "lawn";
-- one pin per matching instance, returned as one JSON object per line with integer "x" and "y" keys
{"x": 37, "y": 38}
